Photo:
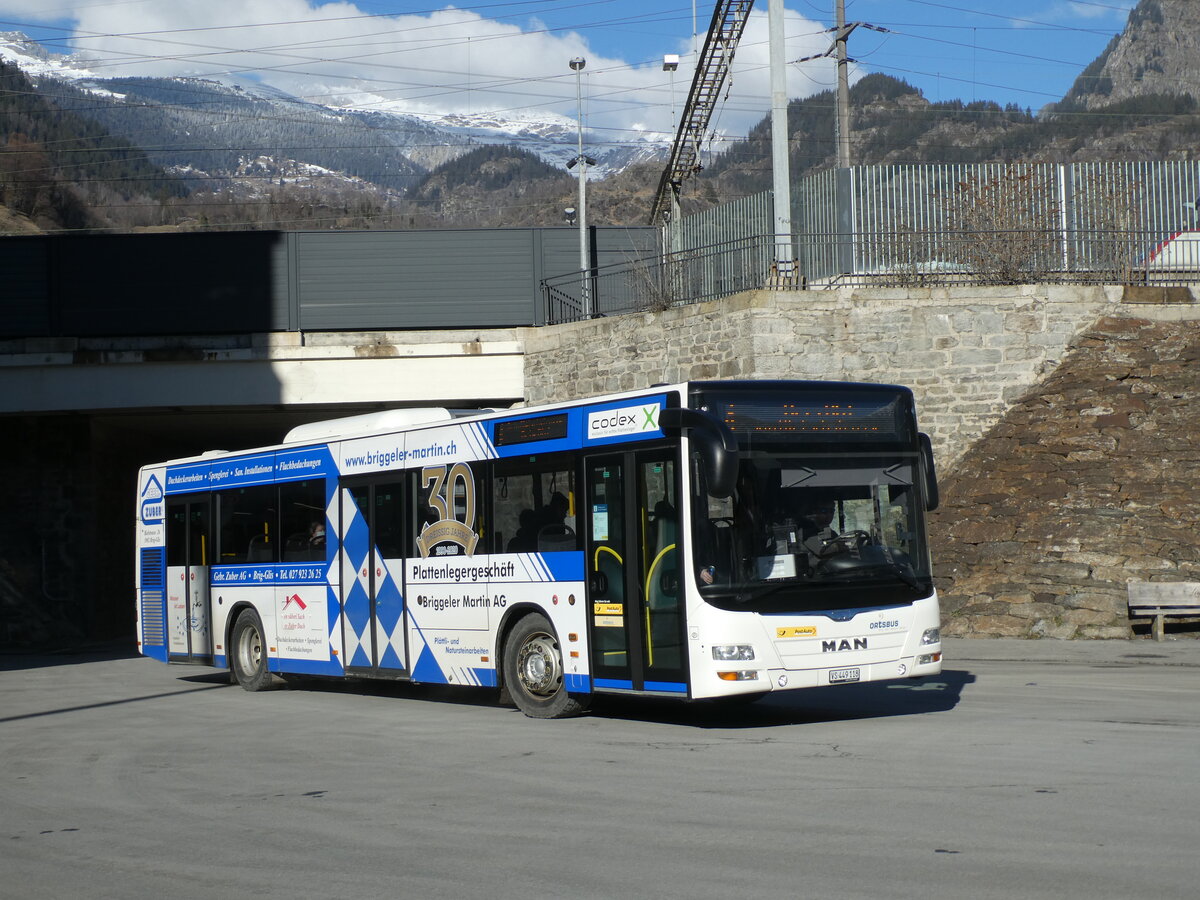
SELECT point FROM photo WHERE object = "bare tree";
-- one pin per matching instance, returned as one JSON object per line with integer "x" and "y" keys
{"x": 1003, "y": 228}
{"x": 1109, "y": 242}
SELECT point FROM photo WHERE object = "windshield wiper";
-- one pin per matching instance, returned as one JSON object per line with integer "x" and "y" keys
{"x": 745, "y": 594}
{"x": 905, "y": 574}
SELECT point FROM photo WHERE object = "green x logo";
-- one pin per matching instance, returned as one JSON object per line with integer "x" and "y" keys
{"x": 651, "y": 414}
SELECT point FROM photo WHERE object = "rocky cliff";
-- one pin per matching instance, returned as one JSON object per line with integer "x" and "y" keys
{"x": 1087, "y": 483}
{"x": 1158, "y": 53}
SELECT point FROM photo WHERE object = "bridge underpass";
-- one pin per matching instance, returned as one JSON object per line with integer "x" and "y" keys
{"x": 116, "y": 350}
{"x": 80, "y": 415}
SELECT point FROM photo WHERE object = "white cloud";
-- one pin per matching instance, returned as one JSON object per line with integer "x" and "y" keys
{"x": 1084, "y": 14}
{"x": 31, "y": 10}
{"x": 1099, "y": 11}
{"x": 452, "y": 60}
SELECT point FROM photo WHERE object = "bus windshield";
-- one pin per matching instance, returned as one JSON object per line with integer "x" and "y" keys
{"x": 807, "y": 532}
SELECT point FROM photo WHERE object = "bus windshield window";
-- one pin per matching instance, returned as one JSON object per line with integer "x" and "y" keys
{"x": 809, "y": 532}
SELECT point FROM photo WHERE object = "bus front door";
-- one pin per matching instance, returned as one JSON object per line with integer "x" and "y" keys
{"x": 189, "y": 548}
{"x": 635, "y": 592}
{"x": 372, "y": 602}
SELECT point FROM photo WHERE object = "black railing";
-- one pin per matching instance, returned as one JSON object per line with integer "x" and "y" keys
{"x": 896, "y": 259}
{"x": 661, "y": 282}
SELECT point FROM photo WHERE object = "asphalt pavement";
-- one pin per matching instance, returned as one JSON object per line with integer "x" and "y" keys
{"x": 1027, "y": 769}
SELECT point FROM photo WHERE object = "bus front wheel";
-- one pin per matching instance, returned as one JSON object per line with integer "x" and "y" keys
{"x": 248, "y": 658}
{"x": 533, "y": 670}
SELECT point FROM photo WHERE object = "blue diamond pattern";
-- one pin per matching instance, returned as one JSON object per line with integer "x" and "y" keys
{"x": 357, "y": 606}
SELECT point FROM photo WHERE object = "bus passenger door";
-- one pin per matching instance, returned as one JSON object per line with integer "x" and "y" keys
{"x": 372, "y": 564}
{"x": 189, "y": 551}
{"x": 634, "y": 589}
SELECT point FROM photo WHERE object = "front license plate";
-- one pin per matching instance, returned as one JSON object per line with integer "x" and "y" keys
{"x": 843, "y": 676}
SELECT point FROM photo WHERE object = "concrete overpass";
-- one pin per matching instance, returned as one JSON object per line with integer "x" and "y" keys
{"x": 117, "y": 350}
{"x": 302, "y": 375}
{"x": 80, "y": 415}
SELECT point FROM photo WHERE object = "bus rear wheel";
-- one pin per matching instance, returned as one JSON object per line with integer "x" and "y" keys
{"x": 248, "y": 652}
{"x": 533, "y": 670}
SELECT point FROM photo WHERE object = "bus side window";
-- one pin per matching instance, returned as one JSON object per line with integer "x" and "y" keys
{"x": 533, "y": 506}
{"x": 453, "y": 493}
{"x": 249, "y": 530}
{"x": 302, "y": 519}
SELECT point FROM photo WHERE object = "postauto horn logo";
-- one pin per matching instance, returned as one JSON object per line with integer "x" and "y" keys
{"x": 627, "y": 420}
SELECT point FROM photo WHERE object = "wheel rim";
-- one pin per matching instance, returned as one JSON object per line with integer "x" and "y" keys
{"x": 539, "y": 665}
{"x": 250, "y": 650}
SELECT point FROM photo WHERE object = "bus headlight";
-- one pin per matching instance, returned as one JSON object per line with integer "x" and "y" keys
{"x": 931, "y": 636}
{"x": 726, "y": 652}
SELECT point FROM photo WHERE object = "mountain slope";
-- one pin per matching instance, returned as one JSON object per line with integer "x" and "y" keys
{"x": 211, "y": 126}
{"x": 1158, "y": 53}
{"x": 59, "y": 169}
{"x": 892, "y": 123}
{"x": 255, "y": 157}
{"x": 489, "y": 187}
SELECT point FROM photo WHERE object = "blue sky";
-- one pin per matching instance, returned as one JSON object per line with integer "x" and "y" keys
{"x": 511, "y": 57}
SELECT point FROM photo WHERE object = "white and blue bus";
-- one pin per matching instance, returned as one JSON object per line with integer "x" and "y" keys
{"x": 709, "y": 539}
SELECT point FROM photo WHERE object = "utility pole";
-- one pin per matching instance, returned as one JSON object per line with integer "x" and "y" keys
{"x": 585, "y": 265}
{"x": 843, "y": 87}
{"x": 841, "y": 32}
{"x": 780, "y": 168}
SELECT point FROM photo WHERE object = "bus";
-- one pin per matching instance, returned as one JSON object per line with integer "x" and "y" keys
{"x": 702, "y": 540}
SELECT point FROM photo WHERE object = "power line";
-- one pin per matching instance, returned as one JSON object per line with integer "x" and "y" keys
{"x": 498, "y": 82}
{"x": 1008, "y": 17}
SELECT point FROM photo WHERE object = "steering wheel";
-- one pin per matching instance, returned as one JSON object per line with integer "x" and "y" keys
{"x": 845, "y": 542}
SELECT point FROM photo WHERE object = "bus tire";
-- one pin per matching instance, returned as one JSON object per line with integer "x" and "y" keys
{"x": 533, "y": 670}
{"x": 248, "y": 652}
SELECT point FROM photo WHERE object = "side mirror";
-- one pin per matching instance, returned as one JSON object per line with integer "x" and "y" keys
{"x": 929, "y": 473}
{"x": 714, "y": 441}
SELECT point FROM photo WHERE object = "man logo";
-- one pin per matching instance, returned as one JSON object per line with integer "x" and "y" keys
{"x": 843, "y": 644}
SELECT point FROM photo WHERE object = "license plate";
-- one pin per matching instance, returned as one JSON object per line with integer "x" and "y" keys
{"x": 843, "y": 676}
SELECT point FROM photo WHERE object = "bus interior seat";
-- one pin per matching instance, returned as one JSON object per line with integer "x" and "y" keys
{"x": 259, "y": 550}
{"x": 552, "y": 538}
{"x": 296, "y": 547}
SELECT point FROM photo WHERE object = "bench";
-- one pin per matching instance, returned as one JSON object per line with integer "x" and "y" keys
{"x": 1162, "y": 599}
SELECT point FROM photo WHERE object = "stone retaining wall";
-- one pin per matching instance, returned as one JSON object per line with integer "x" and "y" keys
{"x": 966, "y": 352}
{"x": 1087, "y": 483}
{"x": 1064, "y": 421}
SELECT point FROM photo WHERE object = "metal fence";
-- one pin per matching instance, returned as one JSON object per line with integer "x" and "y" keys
{"x": 995, "y": 223}
{"x": 661, "y": 282}
{"x": 859, "y": 223}
{"x": 744, "y": 218}
{"x": 1013, "y": 256}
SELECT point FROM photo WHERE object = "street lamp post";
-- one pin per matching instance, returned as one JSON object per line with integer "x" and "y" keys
{"x": 577, "y": 65}
{"x": 670, "y": 64}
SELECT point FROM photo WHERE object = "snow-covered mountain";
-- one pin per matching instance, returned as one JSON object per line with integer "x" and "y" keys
{"x": 199, "y": 125}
